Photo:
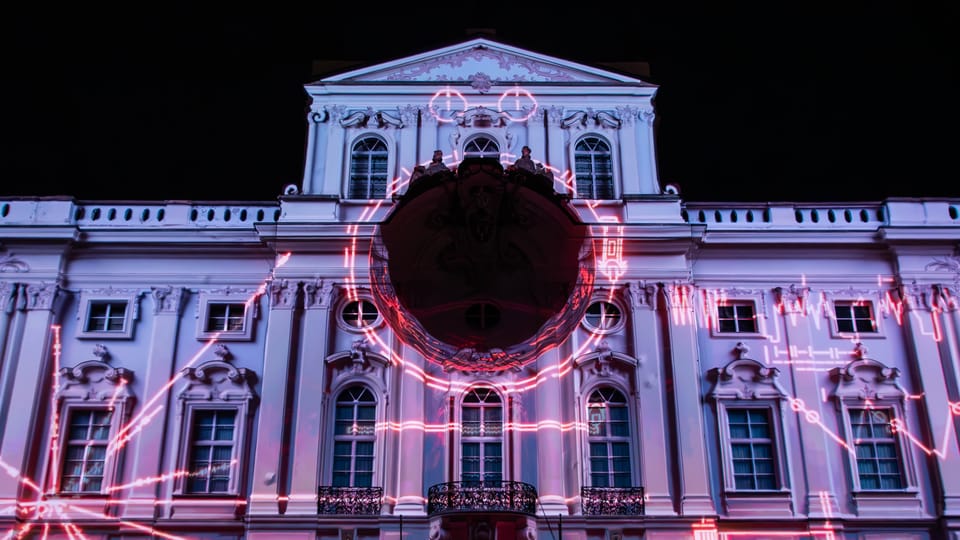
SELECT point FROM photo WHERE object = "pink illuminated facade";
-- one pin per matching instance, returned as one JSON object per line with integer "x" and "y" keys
{"x": 227, "y": 370}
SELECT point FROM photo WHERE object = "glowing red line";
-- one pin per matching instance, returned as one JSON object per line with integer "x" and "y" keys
{"x": 163, "y": 390}
{"x": 170, "y": 476}
{"x": 117, "y": 444}
{"x": 54, "y": 432}
{"x": 15, "y": 474}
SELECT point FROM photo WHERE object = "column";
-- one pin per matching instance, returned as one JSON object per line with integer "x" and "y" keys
{"x": 937, "y": 374}
{"x": 695, "y": 496}
{"x": 630, "y": 170}
{"x": 817, "y": 450}
{"x": 537, "y": 136}
{"x": 310, "y": 416}
{"x": 550, "y": 459}
{"x": 652, "y": 417}
{"x": 8, "y": 296}
{"x": 646, "y": 152}
{"x": 313, "y": 168}
{"x": 272, "y": 424}
{"x": 407, "y": 136}
{"x": 554, "y": 155}
{"x": 409, "y": 459}
{"x": 147, "y": 448}
{"x": 30, "y": 395}
{"x": 332, "y": 178}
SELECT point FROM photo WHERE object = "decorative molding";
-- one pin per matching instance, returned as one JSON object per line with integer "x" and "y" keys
{"x": 230, "y": 294}
{"x": 590, "y": 118}
{"x": 642, "y": 295}
{"x": 361, "y": 118}
{"x": 865, "y": 378}
{"x": 320, "y": 116}
{"x": 167, "y": 299}
{"x": 745, "y": 378}
{"x": 463, "y": 65}
{"x": 759, "y": 296}
{"x": 949, "y": 264}
{"x": 319, "y": 294}
{"x": 793, "y": 298}
{"x": 627, "y": 114}
{"x": 8, "y": 296}
{"x": 409, "y": 114}
{"x": 41, "y": 296}
{"x": 678, "y": 295}
{"x": 359, "y": 361}
{"x": 95, "y": 380}
{"x": 917, "y": 297}
{"x": 218, "y": 380}
{"x": 647, "y": 116}
{"x": 283, "y": 294}
{"x": 10, "y": 263}
{"x": 481, "y": 82}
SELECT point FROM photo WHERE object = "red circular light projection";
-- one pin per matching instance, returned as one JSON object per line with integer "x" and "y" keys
{"x": 482, "y": 269}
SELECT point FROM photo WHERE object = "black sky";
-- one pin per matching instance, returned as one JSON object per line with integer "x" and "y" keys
{"x": 164, "y": 102}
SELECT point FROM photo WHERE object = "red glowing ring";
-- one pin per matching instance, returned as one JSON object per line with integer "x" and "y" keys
{"x": 447, "y": 94}
{"x": 517, "y": 94}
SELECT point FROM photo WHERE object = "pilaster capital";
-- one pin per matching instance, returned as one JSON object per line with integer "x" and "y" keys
{"x": 167, "y": 300}
{"x": 320, "y": 294}
{"x": 642, "y": 295}
{"x": 8, "y": 296}
{"x": 793, "y": 299}
{"x": 283, "y": 294}
{"x": 678, "y": 295}
{"x": 41, "y": 296}
{"x": 916, "y": 297}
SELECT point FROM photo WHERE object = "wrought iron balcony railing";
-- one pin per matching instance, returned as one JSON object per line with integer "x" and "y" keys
{"x": 608, "y": 501}
{"x": 354, "y": 501}
{"x": 502, "y": 496}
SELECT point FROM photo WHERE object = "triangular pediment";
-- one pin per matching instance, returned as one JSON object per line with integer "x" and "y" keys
{"x": 481, "y": 59}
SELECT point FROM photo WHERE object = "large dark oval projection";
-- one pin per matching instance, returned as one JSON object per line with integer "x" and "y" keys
{"x": 482, "y": 269}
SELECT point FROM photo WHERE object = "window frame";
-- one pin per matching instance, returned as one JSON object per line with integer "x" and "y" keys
{"x": 67, "y": 411}
{"x": 852, "y": 296}
{"x": 192, "y": 444}
{"x": 215, "y": 385}
{"x": 91, "y": 298}
{"x": 617, "y": 325}
{"x": 342, "y": 306}
{"x": 713, "y": 299}
{"x": 610, "y": 153}
{"x": 250, "y": 299}
{"x": 349, "y": 170}
{"x": 775, "y": 440}
{"x": 608, "y": 440}
{"x": 484, "y": 153}
{"x": 738, "y": 303}
{"x": 355, "y": 438}
{"x": 851, "y": 304}
{"x": 482, "y": 440}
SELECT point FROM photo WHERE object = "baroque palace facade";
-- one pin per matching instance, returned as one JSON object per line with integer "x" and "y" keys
{"x": 491, "y": 345}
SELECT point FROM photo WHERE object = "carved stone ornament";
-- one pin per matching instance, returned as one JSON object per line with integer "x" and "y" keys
{"x": 9, "y": 263}
{"x": 319, "y": 294}
{"x": 591, "y": 118}
{"x": 283, "y": 294}
{"x": 42, "y": 295}
{"x": 793, "y": 298}
{"x": 95, "y": 379}
{"x": 915, "y": 296}
{"x": 218, "y": 380}
{"x": 948, "y": 264}
{"x": 642, "y": 294}
{"x": 745, "y": 378}
{"x": 167, "y": 299}
{"x": 481, "y": 82}
{"x": 8, "y": 295}
{"x": 865, "y": 378}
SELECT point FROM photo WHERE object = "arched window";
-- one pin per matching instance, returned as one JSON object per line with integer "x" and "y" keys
{"x": 368, "y": 169}
{"x": 481, "y": 437}
{"x": 608, "y": 435}
{"x": 354, "y": 434}
{"x": 594, "y": 169}
{"x": 484, "y": 147}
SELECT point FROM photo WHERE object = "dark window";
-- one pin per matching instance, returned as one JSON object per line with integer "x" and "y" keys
{"x": 736, "y": 317}
{"x": 211, "y": 451}
{"x": 608, "y": 431}
{"x": 751, "y": 448}
{"x": 593, "y": 167}
{"x": 85, "y": 451}
{"x": 360, "y": 313}
{"x": 855, "y": 317}
{"x": 877, "y": 451}
{"x": 106, "y": 316}
{"x": 481, "y": 437}
{"x": 354, "y": 436}
{"x": 603, "y": 315}
{"x": 368, "y": 169}
{"x": 225, "y": 317}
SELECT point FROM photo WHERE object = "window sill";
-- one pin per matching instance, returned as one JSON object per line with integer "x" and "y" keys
{"x": 887, "y": 503}
{"x": 758, "y": 504}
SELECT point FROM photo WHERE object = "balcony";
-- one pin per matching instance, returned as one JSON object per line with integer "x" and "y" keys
{"x": 502, "y": 496}
{"x": 607, "y": 501}
{"x": 352, "y": 501}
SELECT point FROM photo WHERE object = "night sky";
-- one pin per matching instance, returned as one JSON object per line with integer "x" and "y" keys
{"x": 164, "y": 102}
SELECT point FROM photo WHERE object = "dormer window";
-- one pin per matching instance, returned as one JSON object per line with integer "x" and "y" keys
{"x": 481, "y": 147}
{"x": 593, "y": 166}
{"x": 368, "y": 169}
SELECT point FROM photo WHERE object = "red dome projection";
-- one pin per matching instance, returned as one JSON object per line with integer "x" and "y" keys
{"x": 482, "y": 269}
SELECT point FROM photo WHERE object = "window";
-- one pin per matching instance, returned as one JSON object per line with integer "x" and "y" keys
{"x": 603, "y": 317}
{"x": 107, "y": 313}
{"x": 854, "y": 317}
{"x": 217, "y": 402}
{"x": 736, "y": 317}
{"x": 354, "y": 438}
{"x": 876, "y": 449}
{"x": 359, "y": 314}
{"x": 106, "y": 316}
{"x": 368, "y": 169}
{"x": 481, "y": 437}
{"x": 85, "y": 450}
{"x": 608, "y": 429}
{"x": 227, "y": 314}
{"x": 211, "y": 451}
{"x": 482, "y": 147}
{"x": 593, "y": 167}
{"x": 225, "y": 317}
{"x": 751, "y": 449}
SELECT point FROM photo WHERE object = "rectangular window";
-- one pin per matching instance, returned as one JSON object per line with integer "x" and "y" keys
{"x": 211, "y": 451}
{"x": 876, "y": 448}
{"x": 225, "y": 317}
{"x": 751, "y": 449}
{"x": 88, "y": 432}
{"x": 106, "y": 316}
{"x": 736, "y": 317}
{"x": 855, "y": 317}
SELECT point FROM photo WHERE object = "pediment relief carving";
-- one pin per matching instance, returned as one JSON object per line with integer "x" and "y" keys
{"x": 605, "y": 362}
{"x": 745, "y": 378}
{"x": 219, "y": 379}
{"x": 358, "y": 361}
{"x": 95, "y": 379}
{"x": 866, "y": 378}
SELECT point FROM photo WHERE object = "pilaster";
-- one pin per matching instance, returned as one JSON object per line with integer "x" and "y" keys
{"x": 695, "y": 496}
{"x": 146, "y": 449}
{"x": 550, "y": 488}
{"x": 272, "y": 423}
{"x": 817, "y": 462}
{"x": 648, "y": 349}
{"x": 409, "y": 459}
{"x": 314, "y": 347}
